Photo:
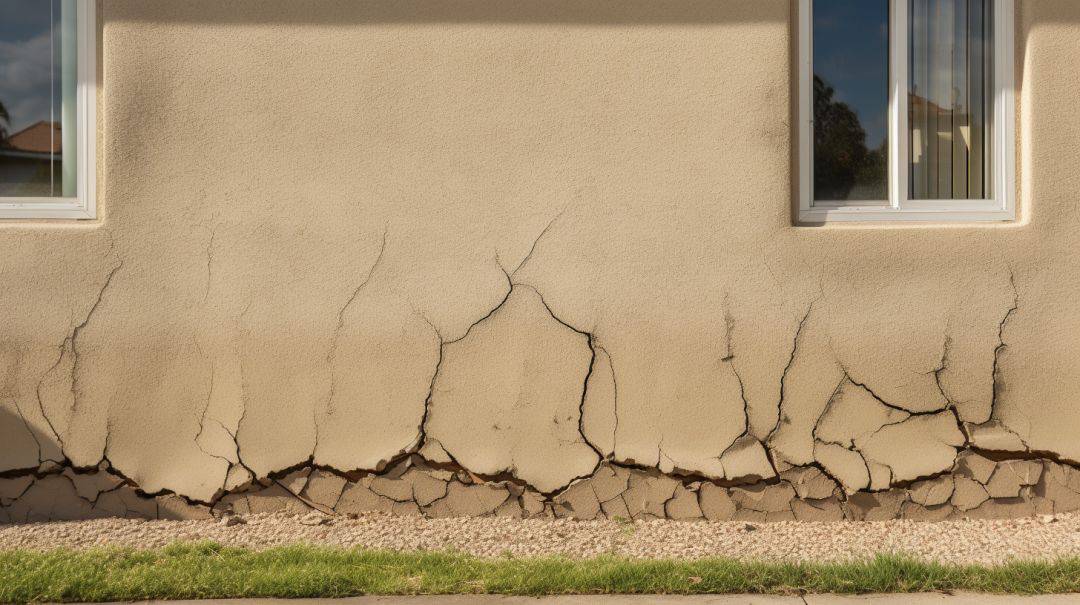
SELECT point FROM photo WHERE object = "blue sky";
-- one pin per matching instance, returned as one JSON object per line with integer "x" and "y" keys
{"x": 25, "y": 61}
{"x": 851, "y": 53}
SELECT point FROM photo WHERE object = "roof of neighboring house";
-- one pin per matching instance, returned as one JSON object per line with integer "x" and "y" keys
{"x": 41, "y": 137}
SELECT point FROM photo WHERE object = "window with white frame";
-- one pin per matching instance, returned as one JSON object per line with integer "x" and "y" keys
{"x": 906, "y": 110}
{"x": 47, "y": 96}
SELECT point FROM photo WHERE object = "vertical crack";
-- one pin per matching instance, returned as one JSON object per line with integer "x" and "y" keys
{"x": 615, "y": 402}
{"x": 998, "y": 381}
{"x": 209, "y": 264}
{"x": 787, "y": 368}
{"x": 74, "y": 338}
{"x": 331, "y": 355}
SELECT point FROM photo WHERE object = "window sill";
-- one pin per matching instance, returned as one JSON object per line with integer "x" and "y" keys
{"x": 44, "y": 208}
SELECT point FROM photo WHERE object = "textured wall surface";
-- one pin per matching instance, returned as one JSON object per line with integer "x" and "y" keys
{"x": 524, "y": 257}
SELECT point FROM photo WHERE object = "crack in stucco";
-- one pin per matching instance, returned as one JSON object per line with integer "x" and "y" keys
{"x": 209, "y": 263}
{"x": 946, "y": 350}
{"x": 729, "y": 358}
{"x": 892, "y": 406}
{"x": 70, "y": 342}
{"x": 331, "y": 355}
{"x": 614, "y": 401}
{"x": 997, "y": 378}
{"x": 783, "y": 380}
{"x": 74, "y": 337}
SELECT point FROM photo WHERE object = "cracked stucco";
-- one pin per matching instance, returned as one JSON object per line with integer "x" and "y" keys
{"x": 525, "y": 263}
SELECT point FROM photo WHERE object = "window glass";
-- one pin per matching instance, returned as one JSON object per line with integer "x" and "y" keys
{"x": 851, "y": 100}
{"x": 38, "y": 112}
{"x": 949, "y": 108}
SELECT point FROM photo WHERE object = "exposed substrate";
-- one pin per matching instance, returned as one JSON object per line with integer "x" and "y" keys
{"x": 977, "y": 487}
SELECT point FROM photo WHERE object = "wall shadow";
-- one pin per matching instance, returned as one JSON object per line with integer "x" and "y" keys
{"x": 347, "y": 12}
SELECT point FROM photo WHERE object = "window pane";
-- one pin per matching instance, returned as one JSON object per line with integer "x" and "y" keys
{"x": 38, "y": 76}
{"x": 851, "y": 100}
{"x": 950, "y": 99}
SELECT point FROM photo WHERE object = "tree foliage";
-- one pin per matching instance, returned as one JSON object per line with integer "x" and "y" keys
{"x": 842, "y": 161}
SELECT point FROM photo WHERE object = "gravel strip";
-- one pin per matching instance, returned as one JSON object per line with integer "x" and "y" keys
{"x": 970, "y": 541}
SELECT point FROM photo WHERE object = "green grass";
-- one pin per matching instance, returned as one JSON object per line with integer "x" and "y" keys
{"x": 211, "y": 571}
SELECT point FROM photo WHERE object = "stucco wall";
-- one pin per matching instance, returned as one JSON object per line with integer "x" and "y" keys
{"x": 509, "y": 245}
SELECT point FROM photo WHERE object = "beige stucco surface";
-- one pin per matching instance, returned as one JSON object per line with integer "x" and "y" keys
{"x": 520, "y": 238}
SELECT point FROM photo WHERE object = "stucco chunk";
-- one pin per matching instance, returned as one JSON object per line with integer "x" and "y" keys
{"x": 919, "y": 512}
{"x": 615, "y": 509}
{"x": 426, "y": 488}
{"x": 917, "y": 447}
{"x": 716, "y": 503}
{"x": 746, "y": 459}
{"x": 609, "y": 482}
{"x": 237, "y": 477}
{"x": 882, "y": 506}
{"x": 399, "y": 489}
{"x": 647, "y": 493}
{"x": 995, "y": 437}
{"x": 764, "y": 498}
{"x": 968, "y": 494}
{"x": 273, "y": 499}
{"x": 578, "y": 501}
{"x": 975, "y": 466}
{"x": 14, "y": 487}
{"x": 932, "y": 492}
{"x": 324, "y": 488}
{"x": 826, "y": 510}
{"x": 507, "y": 396}
{"x": 358, "y": 498}
{"x": 1010, "y": 508}
{"x": 683, "y": 506}
{"x": 469, "y": 500}
{"x": 89, "y": 485}
{"x": 532, "y": 503}
{"x": 124, "y": 502}
{"x": 174, "y": 508}
{"x": 51, "y": 498}
{"x": 810, "y": 483}
{"x": 511, "y": 508}
{"x": 1061, "y": 485}
{"x": 847, "y": 466}
{"x": 295, "y": 481}
{"x": 1011, "y": 476}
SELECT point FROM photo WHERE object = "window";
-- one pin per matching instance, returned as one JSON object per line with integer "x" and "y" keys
{"x": 906, "y": 110}
{"x": 47, "y": 117}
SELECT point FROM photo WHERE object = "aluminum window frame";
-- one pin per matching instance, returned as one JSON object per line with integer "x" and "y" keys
{"x": 1002, "y": 204}
{"x": 84, "y": 205}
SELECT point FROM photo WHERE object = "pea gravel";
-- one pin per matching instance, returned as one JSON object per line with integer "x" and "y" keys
{"x": 984, "y": 542}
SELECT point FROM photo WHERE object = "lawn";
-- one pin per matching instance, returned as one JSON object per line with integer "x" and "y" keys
{"x": 197, "y": 571}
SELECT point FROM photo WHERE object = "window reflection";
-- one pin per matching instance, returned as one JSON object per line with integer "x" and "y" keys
{"x": 950, "y": 99}
{"x": 851, "y": 100}
{"x": 38, "y": 73}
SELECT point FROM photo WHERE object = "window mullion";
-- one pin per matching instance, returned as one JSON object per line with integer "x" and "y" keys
{"x": 898, "y": 103}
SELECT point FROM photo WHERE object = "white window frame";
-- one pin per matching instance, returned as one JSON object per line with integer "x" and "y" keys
{"x": 1001, "y": 206}
{"x": 84, "y": 204}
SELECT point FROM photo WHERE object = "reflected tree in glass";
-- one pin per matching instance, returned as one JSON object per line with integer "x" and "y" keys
{"x": 5, "y": 122}
{"x": 851, "y": 100}
{"x": 843, "y": 164}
